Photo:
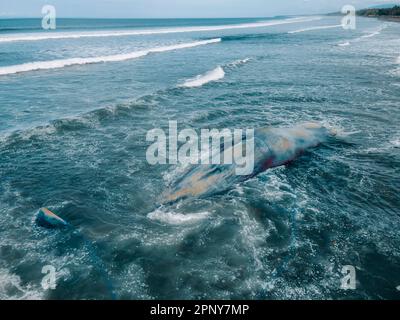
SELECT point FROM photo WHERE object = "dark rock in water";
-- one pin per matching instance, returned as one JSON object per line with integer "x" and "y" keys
{"x": 47, "y": 219}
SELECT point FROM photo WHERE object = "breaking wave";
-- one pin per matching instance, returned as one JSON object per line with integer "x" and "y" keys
{"x": 373, "y": 33}
{"x": 213, "y": 75}
{"x": 55, "y": 64}
{"x": 238, "y": 63}
{"x": 65, "y": 35}
{"x": 315, "y": 28}
{"x": 365, "y": 36}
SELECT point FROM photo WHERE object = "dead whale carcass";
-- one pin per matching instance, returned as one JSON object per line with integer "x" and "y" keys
{"x": 273, "y": 147}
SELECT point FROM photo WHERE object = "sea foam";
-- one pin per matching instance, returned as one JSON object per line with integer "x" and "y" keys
{"x": 55, "y": 64}
{"x": 315, "y": 28}
{"x": 239, "y": 62}
{"x": 213, "y": 75}
{"x": 374, "y": 33}
{"x": 78, "y": 35}
{"x": 12, "y": 288}
{"x": 173, "y": 218}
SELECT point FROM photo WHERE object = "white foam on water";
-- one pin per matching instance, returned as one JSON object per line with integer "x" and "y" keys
{"x": 253, "y": 235}
{"x": 366, "y": 36}
{"x": 199, "y": 81}
{"x": 384, "y": 147}
{"x": 370, "y": 35}
{"x": 344, "y": 134}
{"x": 213, "y": 75}
{"x": 238, "y": 62}
{"x": 374, "y": 33}
{"x": 315, "y": 28}
{"x": 78, "y": 35}
{"x": 173, "y": 218}
{"x": 337, "y": 129}
{"x": 395, "y": 143}
{"x": 278, "y": 188}
{"x": 55, "y": 64}
{"x": 12, "y": 289}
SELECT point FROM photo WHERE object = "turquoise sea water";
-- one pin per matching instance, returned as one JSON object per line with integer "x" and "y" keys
{"x": 73, "y": 139}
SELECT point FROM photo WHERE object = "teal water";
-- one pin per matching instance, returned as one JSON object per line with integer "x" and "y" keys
{"x": 73, "y": 139}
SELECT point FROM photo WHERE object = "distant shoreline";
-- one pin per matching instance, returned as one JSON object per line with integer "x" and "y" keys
{"x": 388, "y": 18}
{"x": 387, "y": 14}
{"x": 385, "y": 18}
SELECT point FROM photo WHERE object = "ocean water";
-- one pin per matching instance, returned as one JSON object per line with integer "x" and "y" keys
{"x": 75, "y": 107}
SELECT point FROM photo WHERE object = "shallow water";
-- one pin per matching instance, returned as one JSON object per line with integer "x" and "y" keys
{"x": 73, "y": 139}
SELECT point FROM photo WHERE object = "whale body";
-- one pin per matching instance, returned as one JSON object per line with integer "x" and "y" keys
{"x": 273, "y": 147}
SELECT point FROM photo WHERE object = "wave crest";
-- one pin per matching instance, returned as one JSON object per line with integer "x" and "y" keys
{"x": 211, "y": 76}
{"x": 56, "y": 64}
{"x": 65, "y": 35}
{"x": 315, "y": 28}
{"x": 239, "y": 62}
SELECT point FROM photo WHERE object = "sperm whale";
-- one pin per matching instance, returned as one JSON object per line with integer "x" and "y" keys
{"x": 273, "y": 147}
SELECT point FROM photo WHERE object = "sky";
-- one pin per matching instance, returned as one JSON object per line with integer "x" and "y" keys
{"x": 178, "y": 8}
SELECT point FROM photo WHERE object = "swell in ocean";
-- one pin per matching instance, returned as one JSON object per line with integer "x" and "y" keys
{"x": 55, "y": 64}
{"x": 92, "y": 118}
{"x": 78, "y": 35}
{"x": 315, "y": 28}
{"x": 211, "y": 76}
{"x": 368, "y": 35}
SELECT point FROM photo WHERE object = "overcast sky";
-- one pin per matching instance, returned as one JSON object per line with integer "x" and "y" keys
{"x": 177, "y": 8}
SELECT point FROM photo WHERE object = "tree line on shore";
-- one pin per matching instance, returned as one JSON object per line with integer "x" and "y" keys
{"x": 395, "y": 11}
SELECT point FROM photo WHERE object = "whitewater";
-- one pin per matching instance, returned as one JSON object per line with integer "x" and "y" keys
{"x": 213, "y": 75}
{"x": 61, "y": 63}
{"x": 78, "y": 35}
